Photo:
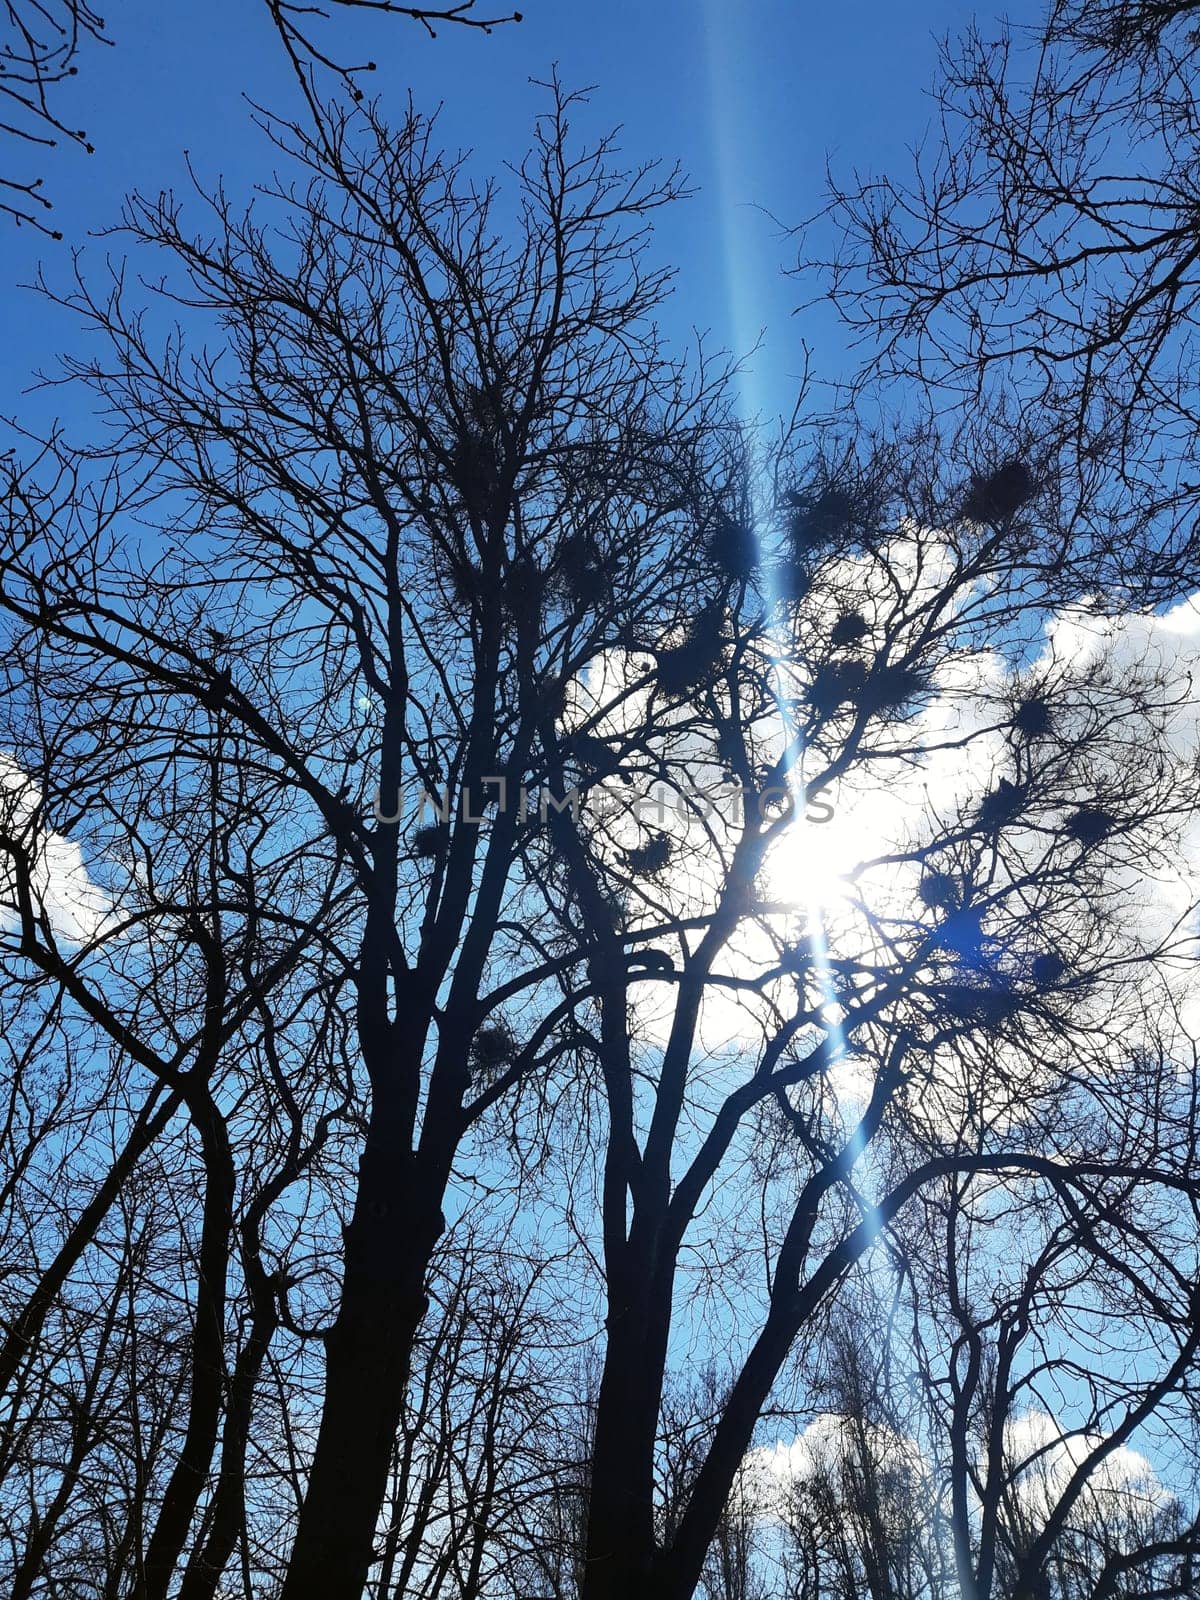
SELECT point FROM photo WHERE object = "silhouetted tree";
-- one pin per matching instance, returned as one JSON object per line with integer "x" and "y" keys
{"x": 370, "y": 589}
{"x": 41, "y": 40}
{"x": 967, "y": 1039}
{"x": 412, "y": 703}
{"x": 1045, "y": 249}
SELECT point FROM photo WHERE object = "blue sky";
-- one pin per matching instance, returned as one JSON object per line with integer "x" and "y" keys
{"x": 750, "y": 96}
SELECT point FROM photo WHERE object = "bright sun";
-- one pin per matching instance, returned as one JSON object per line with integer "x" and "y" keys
{"x": 810, "y": 865}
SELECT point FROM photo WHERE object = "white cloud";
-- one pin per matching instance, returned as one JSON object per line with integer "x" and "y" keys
{"x": 825, "y": 1449}
{"x": 1122, "y": 687}
{"x": 1043, "y": 1459}
{"x": 76, "y": 908}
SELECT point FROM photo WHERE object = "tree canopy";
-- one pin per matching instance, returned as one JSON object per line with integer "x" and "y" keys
{"x": 597, "y": 998}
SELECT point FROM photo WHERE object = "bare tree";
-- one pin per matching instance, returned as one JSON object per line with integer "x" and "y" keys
{"x": 1034, "y": 1439}
{"x": 156, "y": 1011}
{"x": 1046, "y": 247}
{"x": 1013, "y": 1448}
{"x": 40, "y": 42}
{"x": 42, "y": 39}
{"x": 414, "y": 701}
{"x": 951, "y": 996}
{"x": 475, "y": 1462}
{"x": 441, "y": 474}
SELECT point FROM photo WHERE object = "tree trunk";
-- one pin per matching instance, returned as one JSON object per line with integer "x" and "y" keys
{"x": 186, "y": 1483}
{"x": 622, "y": 1551}
{"x": 210, "y": 1559}
{"x": 620, "y": 1533}
{"x": 389, "y": 1243}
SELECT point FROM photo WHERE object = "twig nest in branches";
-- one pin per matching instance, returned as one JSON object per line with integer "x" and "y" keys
{"x": 791, "y": 579}
{"x": 215, "y": 692}
{"x": 961, "y": 935}
{"x": 477, "y": 451}
{"x": 581, "y": 570}
{"x": 466, "y": 582}
{"x": 1089, "y": 825}
{"x": 524, "y": 590}
{"x": 820, "y": 519}
{"x": 553, "y": 698}
{"x": 850, "y": 628}
{"x": 652, "y": 858}
{"x": 939, "y": 891}
{"x": 1033, "y": 717}
{"x": 1002, "y": 805}
{"x": 999, "y": 495}
{"x": 733, "y": 547}
{"x": 834, "y": 683}
{"x": 476, "y": 468}
{"x": 893, "y": 687}
{"x": 1046, "y": 969}
{"x": 649, "y": 961}
{"x": 685, "y": 667}
{"x": 492, "y": 1047}
{"x": 978, "y": 1005}
{"x": 430, "y": 842}
{"x": 593, "y": 754}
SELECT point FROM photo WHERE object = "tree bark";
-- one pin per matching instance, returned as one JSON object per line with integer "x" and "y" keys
{"x": 622, "y": 1550}
{"x": 389, "y": 1242}
{"x": 621, "y": 1545}
{"x": 210, "y": 1559}
{"x": 187, "y": 1481}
